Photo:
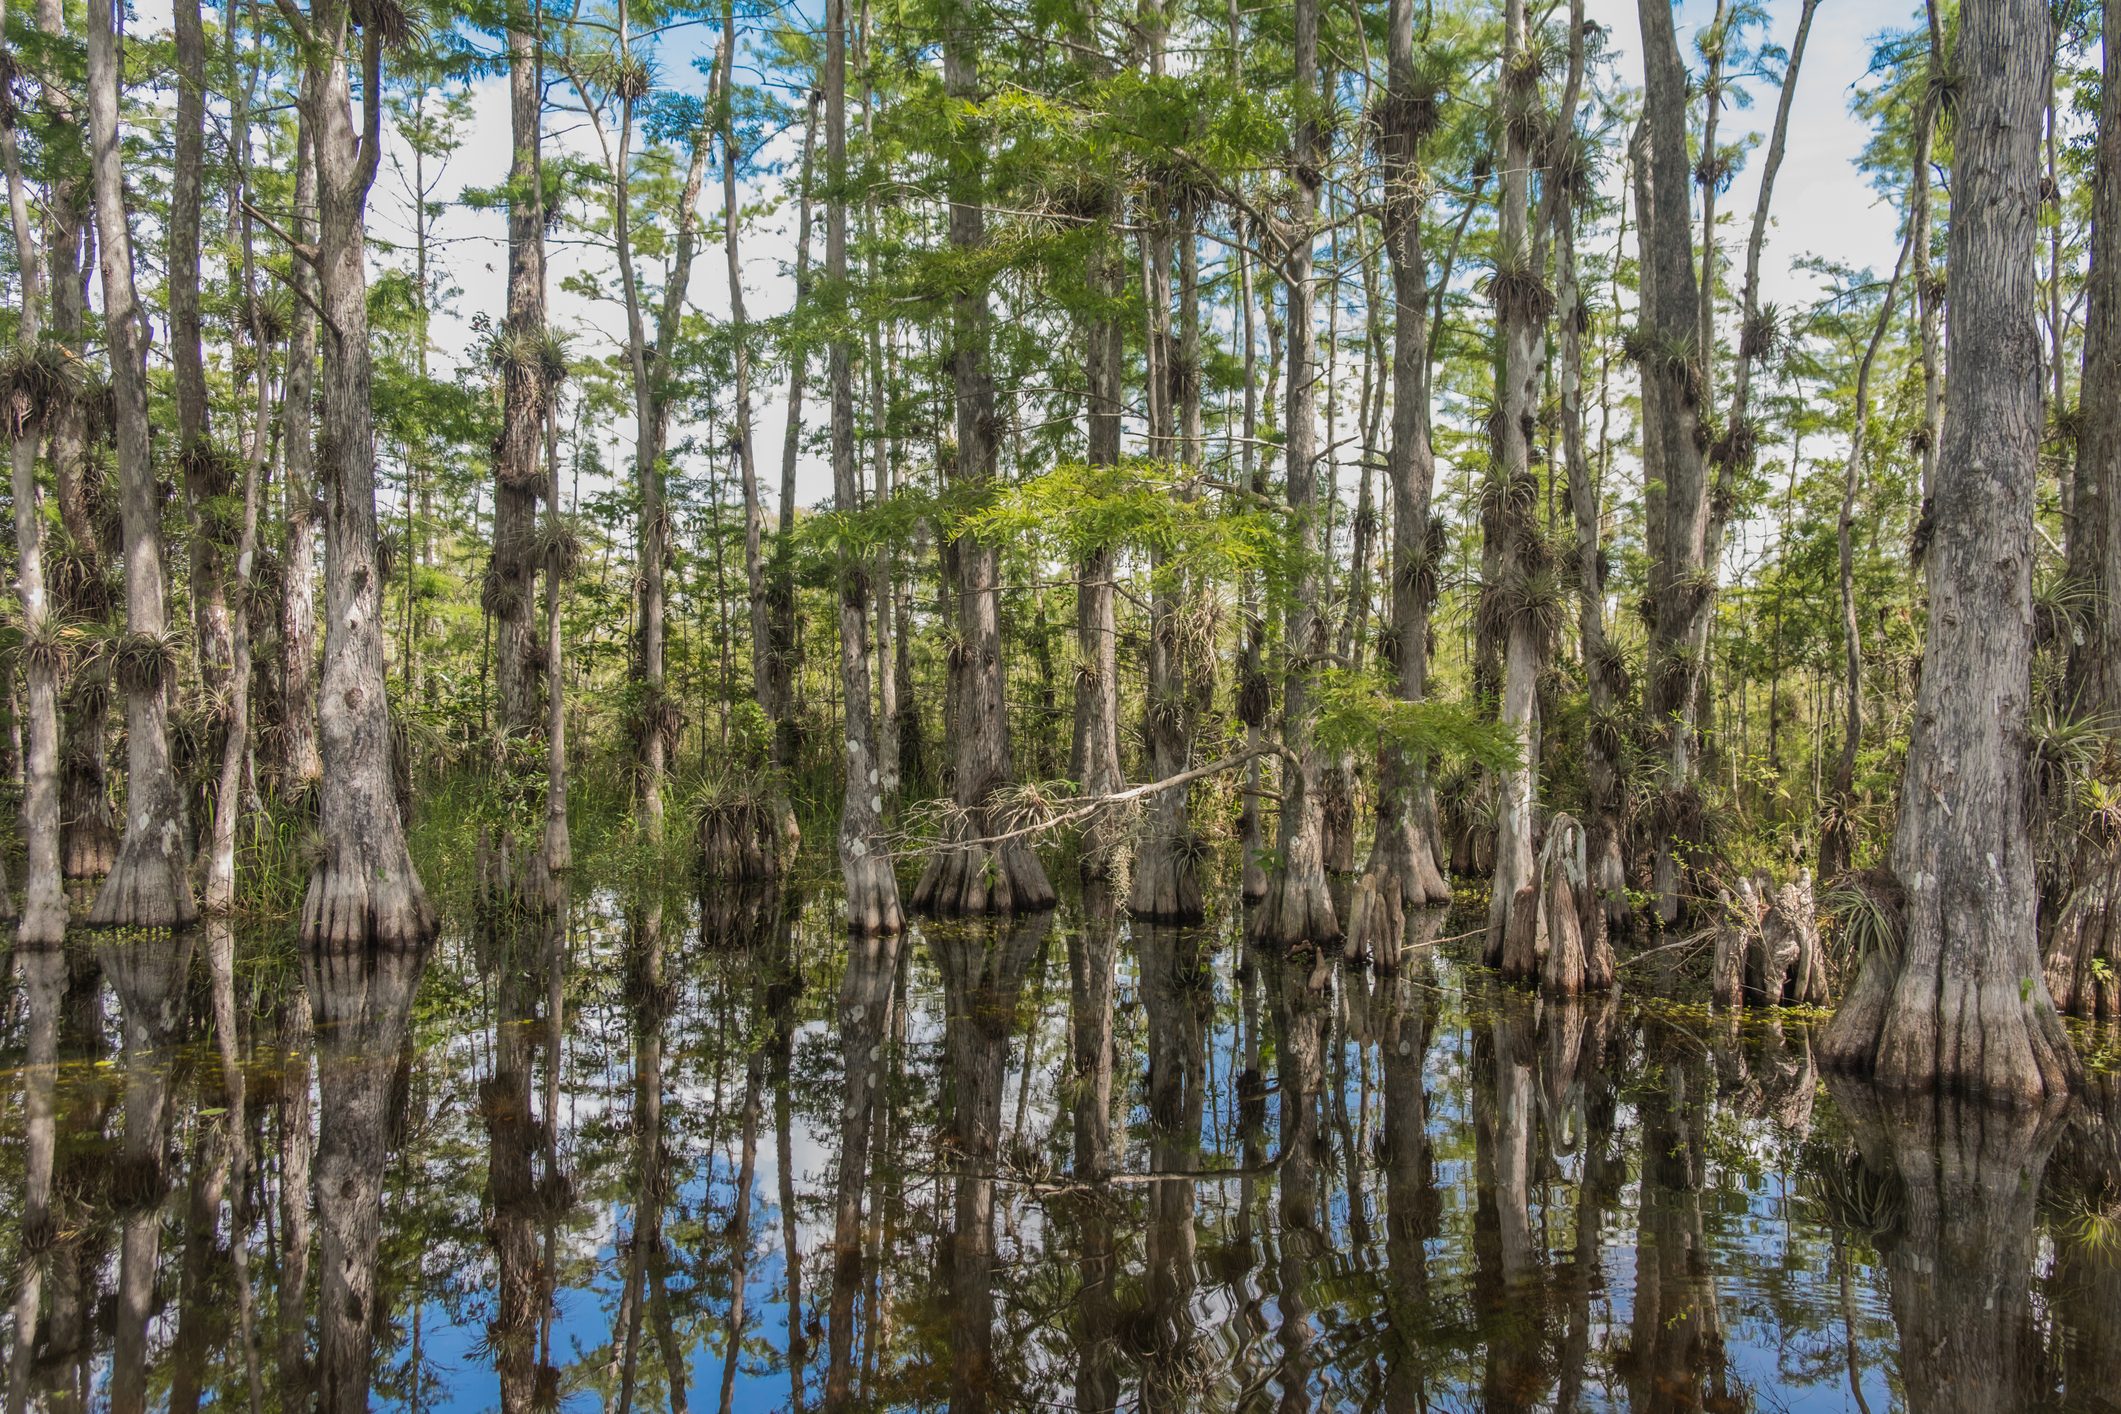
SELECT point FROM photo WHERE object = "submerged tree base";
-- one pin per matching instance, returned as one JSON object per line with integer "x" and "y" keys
{"x": 357, "y": 901}
{"x": 147, "y": 888}
{"x": 748, "y": 839}
{"x": 872, "y": 890}
{"x": 1912, "y": 1023}
{"x": 978, "y": 878}
{"x": 88, "y": 847}
{"x": 1165, "y": 887}
{"x": 2083, "y": 962}
{"x": 1298, "y": 908}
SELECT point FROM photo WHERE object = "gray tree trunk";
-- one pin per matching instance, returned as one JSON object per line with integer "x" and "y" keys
{"x": 1511, "y": 594}
{"x": 865, "y": 857}
{"x": 42, "y": 922}
{"x": 301, "y": 767}
{"x": 149, "y": 886}
{"x": 1297, "y": 908}
{"x": 965, "y": 875}
{"x": 1166, "y": 883}
{"x": 1403, "y": 858}
{"x": 88, "y": 832}
{"x": 1673, "y": 372}
{"x": 363, "y": 891}
{"x": 527, "y": 388}
{"x": 208, "y": 472}
{"x": 776, "y": 836}
{"x": 2086, "y": 931}
{"x": 1095, "y": 750}
{"x": 1967, "y": 1008}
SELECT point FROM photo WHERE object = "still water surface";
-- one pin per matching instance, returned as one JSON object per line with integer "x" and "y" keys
{"x": 724, "y": 1161}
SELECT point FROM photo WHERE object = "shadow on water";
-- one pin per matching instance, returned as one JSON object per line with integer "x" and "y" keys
{"x": 643, "y": 1156}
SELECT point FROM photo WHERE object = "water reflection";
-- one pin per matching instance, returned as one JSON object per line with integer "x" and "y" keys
{"x": 639, "y": 1155}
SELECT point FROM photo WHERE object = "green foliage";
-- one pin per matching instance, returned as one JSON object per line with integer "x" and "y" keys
{"x": 1357, "y": 714}
{"x": 1138, "y": 504}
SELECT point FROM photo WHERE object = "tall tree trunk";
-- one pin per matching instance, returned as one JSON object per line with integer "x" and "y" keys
{"x": 1837, "y": 834}
{"x": 1253, "y": 693}
{"x": 88, "y": 841}
{"x": 779, "y": 835}
{"x": 149, "y": 886}
{"x": 1673, "y": 368}
{"x": 363, "y": 891}
{"x": 865, "y": 858}
{"x": 1734, "y": 450}
{"x": 42, "y": 922}
{"x": 1095, "y": 750}
{"x": 301, "y": 766}
{"x": 1519, "y": 594}
{"x": 781, "y": 573}
{"x": 964, "y": 874}
{"x": 2087, "y": 929}
{"x": 530, "y": 371}
{"x": 1297, "y": 907}
{"x": 1165, "y": 884}
{"x": 1604, "y": 668}
{"x": 208, "y": 472}
{"x": 890, "y": 626}
{"x": 1966, "y": 1008}
{"x": 1403, "y": 859}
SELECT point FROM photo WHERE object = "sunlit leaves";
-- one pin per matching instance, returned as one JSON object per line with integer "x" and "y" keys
{"x": 1356, "y": 714}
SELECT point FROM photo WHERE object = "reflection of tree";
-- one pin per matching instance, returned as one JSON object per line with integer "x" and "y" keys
{"x": 788, "y": 991}
{"x": 1296, "y": 986}
{"x": 80, "y": 1169}
{"x": 1579, "y": 1068}
{"x": 983, "y": 967}
{"x": 1175, "y": 984}
{"x": 1675, "y": 1354}
{"x": 1093, "y": 952}
{"x": 1408, "y": 1166}
{"x": 864, "y": 1014}
{"x": 1959, "y": 1258}
{"x": 511, "y": 1165}
{"x": 296, "y": 1150}
{"x": 2083, "y": 1290}
{"x": 147, "y": 970}
{"x": 1505, "y": 1098}
{"x": 43, "y": 972}
{"x": 361, "y": 998}
{"x": 652, "y": 996}
{"x": 774, "y": 986}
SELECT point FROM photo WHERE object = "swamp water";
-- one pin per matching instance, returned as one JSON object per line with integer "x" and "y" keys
{"x": 726, "y": 1162}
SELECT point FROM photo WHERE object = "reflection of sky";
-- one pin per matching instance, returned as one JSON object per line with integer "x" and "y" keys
{"x": 1767, "y": 1253}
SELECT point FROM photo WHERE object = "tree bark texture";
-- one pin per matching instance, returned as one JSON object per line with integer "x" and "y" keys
{"x": 149, "y": 886}
{"x": 1297, "y": 907}
{"x": 865, "y": 858}
{"x": 964, "y": 876}
{"x": 1673, "y": 373}
{"x": 363, "y": 891}
{"x": 1966, "y": 1008}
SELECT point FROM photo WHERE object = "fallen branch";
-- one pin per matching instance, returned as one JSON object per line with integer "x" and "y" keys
{"x": 1089, "y": 806}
